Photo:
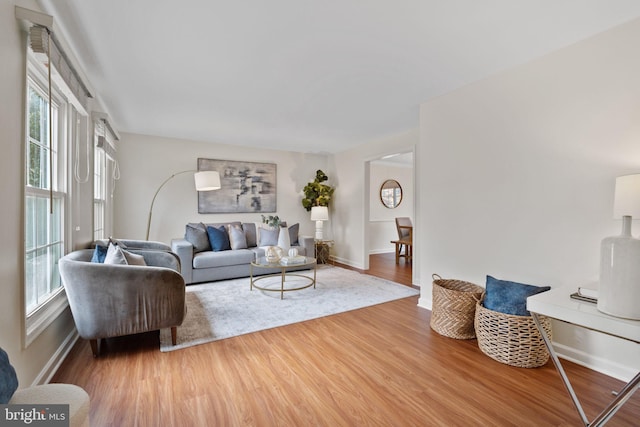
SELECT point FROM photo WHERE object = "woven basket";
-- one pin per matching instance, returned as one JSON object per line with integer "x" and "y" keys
{"x": 453, "y": 307}
{"x": 511, "y": 339}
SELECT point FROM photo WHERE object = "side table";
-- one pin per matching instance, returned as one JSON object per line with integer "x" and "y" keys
{"x": 323, "y": 248}
{"x": 558, "y": 304}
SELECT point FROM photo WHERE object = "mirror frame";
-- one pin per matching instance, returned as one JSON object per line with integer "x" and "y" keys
{"x": 390, "y": 184}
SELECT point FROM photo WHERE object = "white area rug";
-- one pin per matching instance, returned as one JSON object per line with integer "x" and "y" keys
{"x": 228, "y": 308}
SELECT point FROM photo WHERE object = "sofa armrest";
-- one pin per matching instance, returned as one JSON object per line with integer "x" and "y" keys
{"x": 184, "y": 250}
{"x": 308, "y": 243}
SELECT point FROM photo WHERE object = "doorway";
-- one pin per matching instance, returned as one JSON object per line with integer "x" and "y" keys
{"x": 390, "y": 188}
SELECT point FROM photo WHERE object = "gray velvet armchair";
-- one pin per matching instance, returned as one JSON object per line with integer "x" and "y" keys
{"x": 109, "y": 300}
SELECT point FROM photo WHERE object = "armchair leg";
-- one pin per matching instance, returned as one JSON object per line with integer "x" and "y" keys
{"x": 174, "y": 335}
{"x": 95, "y": 347}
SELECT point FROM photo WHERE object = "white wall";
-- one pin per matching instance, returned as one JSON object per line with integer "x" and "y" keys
{"x": 382, "y": 225}
{"x": 36, "y": 362}
{"x": 350, "y": 219}
{"x": 518, "y": 176}
{"x": 146, "y": 161}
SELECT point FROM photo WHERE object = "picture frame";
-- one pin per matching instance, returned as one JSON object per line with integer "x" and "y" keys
{"x": 246, "y": 187}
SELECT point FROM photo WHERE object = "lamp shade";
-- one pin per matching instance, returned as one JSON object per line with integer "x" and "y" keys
{"x": 319, "y": 213}
{"x": 207, "y": 180}
{"x": 627, "y": 196}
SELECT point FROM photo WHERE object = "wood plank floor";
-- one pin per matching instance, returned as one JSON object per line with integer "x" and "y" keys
{"x": 377, "y": 366}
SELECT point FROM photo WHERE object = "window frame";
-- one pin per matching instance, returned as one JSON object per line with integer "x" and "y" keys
{"x": 38, "y": 319}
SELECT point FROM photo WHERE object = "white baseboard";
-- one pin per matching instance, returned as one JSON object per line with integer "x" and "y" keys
{"x": 56, "y": 359}
{"x": 346, "y": 262}
{"x": 598, "y": 364}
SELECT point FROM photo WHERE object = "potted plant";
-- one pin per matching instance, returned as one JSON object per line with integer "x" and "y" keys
{"x": 316, "y": 193}
{"x": 271, "y": 220}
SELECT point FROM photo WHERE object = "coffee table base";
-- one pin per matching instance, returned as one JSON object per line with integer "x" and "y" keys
{"x": 310, "y": 281}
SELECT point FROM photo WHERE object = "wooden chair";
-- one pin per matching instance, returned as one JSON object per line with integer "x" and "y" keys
{"x": 405, "y": 239}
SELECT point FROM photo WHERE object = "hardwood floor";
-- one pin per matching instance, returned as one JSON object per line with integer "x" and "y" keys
{"x": 377, "y": 366}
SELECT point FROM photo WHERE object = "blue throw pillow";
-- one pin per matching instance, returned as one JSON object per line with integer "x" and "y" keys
{"x": 99, "y": 254}
{"x": 509, "y": 297}
{"x": 8, "y": 378}
{"x": 218, "y": 238}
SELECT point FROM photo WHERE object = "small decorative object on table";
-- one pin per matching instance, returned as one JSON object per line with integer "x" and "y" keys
{"x": 273, "y": 254}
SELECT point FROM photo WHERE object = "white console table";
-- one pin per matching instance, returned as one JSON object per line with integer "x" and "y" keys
{"x": 558, "y": 304}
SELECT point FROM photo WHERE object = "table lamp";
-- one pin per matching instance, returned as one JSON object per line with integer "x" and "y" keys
{"x": 319, "y": 214}
{"x": 619, "y": 291}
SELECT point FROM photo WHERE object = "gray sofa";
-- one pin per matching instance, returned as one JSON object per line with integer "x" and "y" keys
{"x": 199, "y": 263}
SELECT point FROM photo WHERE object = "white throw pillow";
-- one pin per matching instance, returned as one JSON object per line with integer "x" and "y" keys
{"x": 115, "y": 255}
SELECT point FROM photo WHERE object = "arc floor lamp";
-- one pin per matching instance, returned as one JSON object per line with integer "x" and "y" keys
{"x": 204, "y": 181}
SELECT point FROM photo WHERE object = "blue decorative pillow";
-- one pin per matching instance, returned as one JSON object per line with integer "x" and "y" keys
{"x": 219, "y": 239}
{"x": 8, "y": 378}
{"x": 99, "y": 254}
{"x": 509, "y": 297}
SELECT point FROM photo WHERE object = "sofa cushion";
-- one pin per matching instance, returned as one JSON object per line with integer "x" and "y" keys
{"x": 99, "y": 254}
{"x": 237, "y": 237}
{"x": 133, "y": 259}
{"x": 509, "y": 297}
{"x": 115, "y": 255}
{"x": 268, "y": 236}
{"x": 218, "y": 238}
{"x": 293, "y": 233}
{"x": 250, "y": 233}
{"x": 222, "y": 259}
{"x": 196, "y": 234}
{"x": 8, "y": 378}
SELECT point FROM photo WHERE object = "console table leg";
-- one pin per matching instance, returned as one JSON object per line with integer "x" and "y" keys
{"x": 560, "y": 369}
{"x": 617, "y": 403}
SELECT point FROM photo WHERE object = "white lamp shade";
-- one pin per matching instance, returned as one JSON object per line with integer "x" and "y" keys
{"x": 319, "y": 213}
{"x": 627, "y": 196}
{"x": 207, "y": 181}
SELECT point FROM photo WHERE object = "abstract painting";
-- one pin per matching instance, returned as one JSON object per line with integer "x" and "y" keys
{"x": 245, "y": 187}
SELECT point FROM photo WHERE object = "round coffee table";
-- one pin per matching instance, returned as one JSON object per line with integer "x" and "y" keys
{"x": 284, "y": 270}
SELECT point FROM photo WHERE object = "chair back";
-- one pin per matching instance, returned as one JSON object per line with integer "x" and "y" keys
{"x": 404, "y": 227}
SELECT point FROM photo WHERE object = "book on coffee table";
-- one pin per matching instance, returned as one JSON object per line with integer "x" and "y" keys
{"x": 290, "y": 260}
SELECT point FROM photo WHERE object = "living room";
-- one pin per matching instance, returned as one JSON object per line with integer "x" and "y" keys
{"x": 514, "y": 177}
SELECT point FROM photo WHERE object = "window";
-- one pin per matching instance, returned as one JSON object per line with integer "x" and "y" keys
{"x": 45, "y": 205}
{"x": 99, "y": 194}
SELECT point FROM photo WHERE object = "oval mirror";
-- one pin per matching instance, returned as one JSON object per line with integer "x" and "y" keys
{"x": 391, "y": 193}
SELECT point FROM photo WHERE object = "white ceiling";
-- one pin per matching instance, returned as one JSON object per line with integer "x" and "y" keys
{"x": 305, "y": 75}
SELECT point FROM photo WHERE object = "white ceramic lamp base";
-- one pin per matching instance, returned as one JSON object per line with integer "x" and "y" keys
{"x": 319, "y": 225}
{"x": 619, "y": 292}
